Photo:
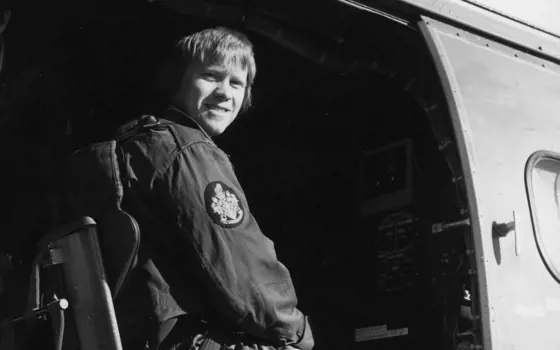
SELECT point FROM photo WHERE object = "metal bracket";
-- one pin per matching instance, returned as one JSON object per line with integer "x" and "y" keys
{"x": 440, "y": 227}
{"x": 55, "y": 257}
{"x": 60, "y": 304}
{"x": 503, "y": 229}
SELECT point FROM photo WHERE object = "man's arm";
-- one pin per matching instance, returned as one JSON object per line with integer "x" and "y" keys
{"x": 237, "y": 265}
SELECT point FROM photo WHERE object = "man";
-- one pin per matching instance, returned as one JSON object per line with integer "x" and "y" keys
{"x": 205, "y": 269}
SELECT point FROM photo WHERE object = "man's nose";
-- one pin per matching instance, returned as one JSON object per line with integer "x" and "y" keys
{"x": 223, "y": 90}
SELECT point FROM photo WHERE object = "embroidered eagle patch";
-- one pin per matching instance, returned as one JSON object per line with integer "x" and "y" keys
{"x": 223, "y": 205}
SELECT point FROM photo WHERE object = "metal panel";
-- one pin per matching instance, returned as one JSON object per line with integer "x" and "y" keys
{"x": 492, "y": 24}
{"x": 505, "y": 107}
{"x": 542, "y": 14}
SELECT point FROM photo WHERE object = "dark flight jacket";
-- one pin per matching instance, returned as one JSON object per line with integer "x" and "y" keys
{"x": 202, "y": 251}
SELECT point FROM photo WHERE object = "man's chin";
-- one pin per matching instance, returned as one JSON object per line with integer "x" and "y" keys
{"x": 214, "y": 130}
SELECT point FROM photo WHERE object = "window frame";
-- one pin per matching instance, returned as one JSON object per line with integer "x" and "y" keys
{"x": 541, "y": 246}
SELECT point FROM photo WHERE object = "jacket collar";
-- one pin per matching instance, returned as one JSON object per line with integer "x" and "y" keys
{"x": 174, "y": 114}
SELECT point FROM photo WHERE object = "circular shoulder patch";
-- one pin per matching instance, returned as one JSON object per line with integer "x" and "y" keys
{"x": 223, "y": 205}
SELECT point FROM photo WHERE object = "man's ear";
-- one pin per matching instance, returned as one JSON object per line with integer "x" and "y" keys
{"x": 4, "y": 20}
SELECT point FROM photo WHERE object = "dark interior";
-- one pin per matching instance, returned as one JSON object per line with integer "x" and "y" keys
{"x": 300, "y": 155}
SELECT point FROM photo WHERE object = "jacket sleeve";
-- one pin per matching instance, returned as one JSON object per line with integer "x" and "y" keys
{"x": 241, "y": 277}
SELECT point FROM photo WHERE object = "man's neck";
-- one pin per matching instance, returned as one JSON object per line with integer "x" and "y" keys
{"x": 184, "y": 114}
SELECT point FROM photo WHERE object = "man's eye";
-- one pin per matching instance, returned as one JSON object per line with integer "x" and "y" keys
{"x": 208, "y": 76}
{"x": 237, "y": 84}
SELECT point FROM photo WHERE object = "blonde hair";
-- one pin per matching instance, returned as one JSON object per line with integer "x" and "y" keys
{"x": 209, "y": 46}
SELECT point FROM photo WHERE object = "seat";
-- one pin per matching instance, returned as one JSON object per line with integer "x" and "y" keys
{"x": 119, "y": 242}
{"x": 91, "y": 255}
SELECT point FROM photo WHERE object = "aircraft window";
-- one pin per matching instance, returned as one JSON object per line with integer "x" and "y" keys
{"x": 542, "y": 178}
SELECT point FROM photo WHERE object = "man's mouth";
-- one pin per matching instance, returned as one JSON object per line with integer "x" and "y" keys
{"x": 216, "y": 108}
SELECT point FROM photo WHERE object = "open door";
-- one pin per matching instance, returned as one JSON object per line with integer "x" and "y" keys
{"x": 504, "y": 104}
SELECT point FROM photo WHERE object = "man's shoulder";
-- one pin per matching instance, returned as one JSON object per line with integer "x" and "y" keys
{"x": 183, "y": 133}
{"x": 159, "y": 140}
{"x": 156, "y": 131}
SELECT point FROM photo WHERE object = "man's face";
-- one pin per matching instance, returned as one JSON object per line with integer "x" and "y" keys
{"x": 212, "y": 95}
